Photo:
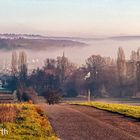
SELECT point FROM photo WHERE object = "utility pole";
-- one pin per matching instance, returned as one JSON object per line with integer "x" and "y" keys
{"x": 89, "y": 95}
{"x": 86, "y": 77}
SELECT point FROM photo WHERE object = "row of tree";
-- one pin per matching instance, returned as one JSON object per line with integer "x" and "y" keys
{"x": 108, "y": 77}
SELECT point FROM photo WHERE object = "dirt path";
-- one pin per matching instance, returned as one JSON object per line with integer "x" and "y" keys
{"x": 71, "y": 122}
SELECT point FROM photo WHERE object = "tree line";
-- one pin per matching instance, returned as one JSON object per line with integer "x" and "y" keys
{"x": 108, "y": 77}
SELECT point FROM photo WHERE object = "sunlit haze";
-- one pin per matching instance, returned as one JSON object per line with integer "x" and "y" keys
{"x": 73, "y": 18}
{"x": 70, "y": 17}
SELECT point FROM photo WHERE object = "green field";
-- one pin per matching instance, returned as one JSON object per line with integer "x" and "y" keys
{"x": 127, "y": 110}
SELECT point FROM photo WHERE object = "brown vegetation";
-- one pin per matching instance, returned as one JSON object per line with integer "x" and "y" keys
{"x": 8, "y": 113}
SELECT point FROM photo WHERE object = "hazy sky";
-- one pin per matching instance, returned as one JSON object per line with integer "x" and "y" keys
{"x": 70, "y": 17}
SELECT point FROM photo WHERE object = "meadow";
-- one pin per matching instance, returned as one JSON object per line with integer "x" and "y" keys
{"x": 25, "y": 122}
{"x": 127, "y": 110}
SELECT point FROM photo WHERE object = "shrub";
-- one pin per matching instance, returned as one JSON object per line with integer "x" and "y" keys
{"x": 30, "y": 95}
{"x": 52, "y": 97}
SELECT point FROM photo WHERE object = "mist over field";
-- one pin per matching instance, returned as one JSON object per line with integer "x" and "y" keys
{"x": 76, "y": 49}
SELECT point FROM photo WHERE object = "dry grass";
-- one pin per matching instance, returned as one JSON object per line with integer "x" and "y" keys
{"x": 8, "y": 113}
{"x": 25, "y": 121}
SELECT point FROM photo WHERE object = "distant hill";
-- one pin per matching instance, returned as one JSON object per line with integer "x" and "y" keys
{"x": 17, "y": 36}
{"x": 35, "y": 42}
{"x": 39, "y": 42}
{"x": 123, "y": 38}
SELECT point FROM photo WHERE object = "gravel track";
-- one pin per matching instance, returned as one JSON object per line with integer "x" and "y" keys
{"x": 73, "y": 122}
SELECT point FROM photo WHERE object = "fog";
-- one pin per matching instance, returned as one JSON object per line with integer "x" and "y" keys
{"x": 104, "y": 47}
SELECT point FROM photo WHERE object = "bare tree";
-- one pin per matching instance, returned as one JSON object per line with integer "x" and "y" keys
{"x": 22, "y": 62}
{"x": 65, "y": 68}
{"x": 121, "y": 65}
{"x": 138, "y": 76}
{"x": 134, "y": 56}
{"x": 14, "y": 63}
{"x": 62, "y": 67}
{"x": 95, "y": 64}
{"x": 138, "y": 54}
{"x": 22, "y": 66}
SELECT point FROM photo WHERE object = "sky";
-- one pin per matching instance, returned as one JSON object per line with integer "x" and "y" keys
{"x": 70, "y": 17}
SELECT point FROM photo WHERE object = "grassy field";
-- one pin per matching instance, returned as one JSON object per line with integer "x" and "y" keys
{"x": 25, "y": 122}
{"x": 127, "y": 110}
